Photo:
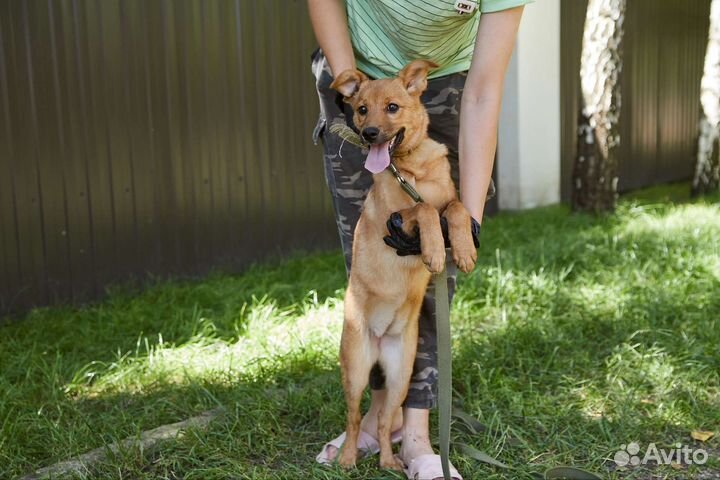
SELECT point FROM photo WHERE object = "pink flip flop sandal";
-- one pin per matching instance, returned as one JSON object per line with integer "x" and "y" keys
{"x": 428, "y": 467}
{"x": 367, "y": 445}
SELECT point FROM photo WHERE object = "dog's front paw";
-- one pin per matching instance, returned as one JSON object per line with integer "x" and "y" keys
{"x": 434, "y": 259}
{"x": 347, "y": 458}
{"x": 464, "y": 255}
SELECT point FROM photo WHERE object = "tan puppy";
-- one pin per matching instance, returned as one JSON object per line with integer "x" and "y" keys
{"x": 383, "y": 299}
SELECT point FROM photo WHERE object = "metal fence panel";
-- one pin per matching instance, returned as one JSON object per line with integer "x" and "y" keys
{"x": 170, "y": 137}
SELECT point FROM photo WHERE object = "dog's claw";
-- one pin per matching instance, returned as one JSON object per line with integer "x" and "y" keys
{"x": 465, "y": 261}
{"x": 434, "y": 263}
{"x": 393, "y": 463}
{"x": 347, "y": 459}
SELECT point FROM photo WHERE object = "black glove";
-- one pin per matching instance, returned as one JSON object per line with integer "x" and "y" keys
{"x": 406, "y": 244}
{"x": 403, "y": 243}
{"x": 474, "y": 230}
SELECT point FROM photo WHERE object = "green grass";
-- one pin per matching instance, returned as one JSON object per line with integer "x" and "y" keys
{"x": 574, "y": 335}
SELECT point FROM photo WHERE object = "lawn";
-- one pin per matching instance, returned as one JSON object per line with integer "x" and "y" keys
{"x": 574, "y": 335}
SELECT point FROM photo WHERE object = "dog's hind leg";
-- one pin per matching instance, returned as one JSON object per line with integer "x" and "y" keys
{"x": 397, "y": 354}
{"x": 358, "y": 353}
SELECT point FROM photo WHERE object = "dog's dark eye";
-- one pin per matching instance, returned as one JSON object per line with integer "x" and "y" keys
{"x": 362, "y": 110}
{"x": 393, "y": 107}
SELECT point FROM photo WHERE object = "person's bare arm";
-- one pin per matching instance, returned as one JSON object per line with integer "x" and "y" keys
{"x": 480, "y": 107}
{"x": 329, "y": 22}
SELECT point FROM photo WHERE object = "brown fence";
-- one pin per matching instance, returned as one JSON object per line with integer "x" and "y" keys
{"x": 164, "y": 136}
{"x": 664, "y": 50}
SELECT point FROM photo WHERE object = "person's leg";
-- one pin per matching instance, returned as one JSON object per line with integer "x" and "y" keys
{"x": 442, "y": 100}
{"x": 346, "y": 178}
{"x": 348, "y": 182}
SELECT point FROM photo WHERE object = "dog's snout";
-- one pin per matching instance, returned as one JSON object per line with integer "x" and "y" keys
{"x": 370, "y": 134}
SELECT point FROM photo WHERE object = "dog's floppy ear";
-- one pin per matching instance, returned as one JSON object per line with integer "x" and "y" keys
{"x": 414, "y": 75}
{"x": 348, "y": 82}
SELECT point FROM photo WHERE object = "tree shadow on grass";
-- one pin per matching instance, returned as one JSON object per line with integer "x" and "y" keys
{"x": 169, "y": 312}
{"x": 570, "y": 339}
{"x": 538, "y": 381}
{"x": 51, "y": 349}
{"x": 274, "y": 426}
{"x": 574, "y": 392}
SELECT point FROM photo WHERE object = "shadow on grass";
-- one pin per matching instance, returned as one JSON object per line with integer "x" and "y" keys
{"x": 575, "y": 335}
{"x": 174, "y": 311}
{"x": 532, "y": 381}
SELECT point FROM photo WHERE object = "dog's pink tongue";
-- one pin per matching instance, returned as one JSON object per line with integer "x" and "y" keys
{"x": 379, "y": 158}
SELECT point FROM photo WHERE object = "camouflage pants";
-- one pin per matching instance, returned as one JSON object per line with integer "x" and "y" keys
{"x": 349, "y": 183}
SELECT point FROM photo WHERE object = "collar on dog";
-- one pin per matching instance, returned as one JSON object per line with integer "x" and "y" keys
{"x": 404, "y": 184}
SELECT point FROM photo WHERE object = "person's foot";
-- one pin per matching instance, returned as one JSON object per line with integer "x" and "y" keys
{"x": 421, "y": 461}
{"x": 413, "y": 445}
{"x": 429, "y": 467}
{"x": 416, "y": 450}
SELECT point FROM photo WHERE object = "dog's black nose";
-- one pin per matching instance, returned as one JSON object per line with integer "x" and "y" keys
{"x": 370, "y": 133}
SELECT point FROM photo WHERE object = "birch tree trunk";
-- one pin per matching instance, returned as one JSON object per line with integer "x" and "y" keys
{"x": 595, "y": 174}
{"x": 707, "y": 166}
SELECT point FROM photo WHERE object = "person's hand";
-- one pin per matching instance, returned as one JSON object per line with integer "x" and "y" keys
{"x": 474, "y": 230}
{"x": 405, "y": 244}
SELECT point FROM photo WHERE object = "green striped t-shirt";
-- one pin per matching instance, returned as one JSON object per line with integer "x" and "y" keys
{"x": 388, "y": 34}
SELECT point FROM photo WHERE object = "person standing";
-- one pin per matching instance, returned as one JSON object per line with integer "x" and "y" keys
{"x": 472, "y": 42}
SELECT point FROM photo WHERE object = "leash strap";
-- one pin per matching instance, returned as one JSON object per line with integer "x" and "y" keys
{"x": 444, "y": 356}
{"x": 404, "y": 184}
